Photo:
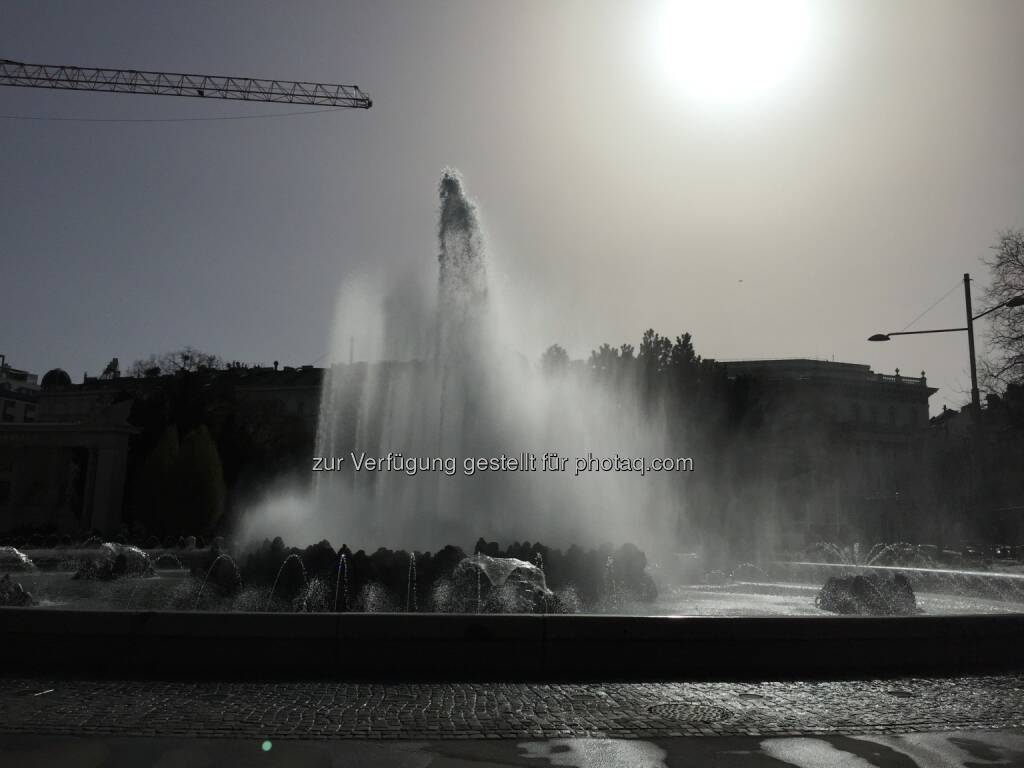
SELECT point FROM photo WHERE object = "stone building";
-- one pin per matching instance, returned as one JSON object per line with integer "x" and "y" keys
{"x": 70, "y": 467}
{"x": 69, "y": 477}
{"x": 18, "y": 394}
{"x": 66, "y": 475}
{"x": 843, "y": 447}
{"x": 16, "y": 380}
{"x": 974, "y": 470}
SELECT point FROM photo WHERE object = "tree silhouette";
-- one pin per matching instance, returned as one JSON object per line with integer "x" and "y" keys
{"x": 154, "y": 483}
{"x": 1005, "y": 363}
{"x": 555, "y": 360}
{"x": 200, "y": 491}
{"x": 187, "y": 359}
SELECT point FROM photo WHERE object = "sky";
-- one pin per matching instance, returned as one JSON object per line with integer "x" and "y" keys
{"x": 840, "y": 200}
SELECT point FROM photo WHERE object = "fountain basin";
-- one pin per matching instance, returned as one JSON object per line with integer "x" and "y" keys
{"x": 501, "y": 647}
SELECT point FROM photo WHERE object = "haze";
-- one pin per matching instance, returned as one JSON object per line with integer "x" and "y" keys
{"x": 842, "y": 202}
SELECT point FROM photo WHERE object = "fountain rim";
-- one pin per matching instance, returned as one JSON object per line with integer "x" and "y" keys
{"x": 582, "y": 647}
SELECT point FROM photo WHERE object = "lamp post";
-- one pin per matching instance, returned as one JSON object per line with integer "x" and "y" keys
{"x": 1016, "y": 301}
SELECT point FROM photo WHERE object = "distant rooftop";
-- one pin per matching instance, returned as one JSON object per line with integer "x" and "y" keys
{"x": 16, "y": 379}
{"x": 805, "y": 368}
{"x": 254, "y": 376}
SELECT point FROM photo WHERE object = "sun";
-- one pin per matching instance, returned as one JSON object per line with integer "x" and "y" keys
{"x": 731, "y": 50}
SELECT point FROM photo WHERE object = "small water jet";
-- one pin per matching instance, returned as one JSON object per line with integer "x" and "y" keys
{"x": 410, "y": 594}
{"x": 612, "y": 599}
{"x": 168, "y": 556}
{"x": 341, "y": 580}
{"x": 479, "y": 583}
{"x": 609, "y": 575}
{"x": 209, "y": 572}
{"x": 313, "y": 597}
{"x": 375, "y": 598}
{"x": 538, "y": 560}
{"x": 881, "y": 553}
{"x": 273, "y": 589}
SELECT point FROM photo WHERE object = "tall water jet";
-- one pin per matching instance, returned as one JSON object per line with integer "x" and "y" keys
{"x": 302, "y": 570}
{"x": 450, "y": 384}
{"x": 462, "y": 304}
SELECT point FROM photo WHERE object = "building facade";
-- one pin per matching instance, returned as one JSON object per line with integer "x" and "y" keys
{"x": 843, "y": 448}
{"x": 18, "y": 394}
{"x": 70, "y": 466}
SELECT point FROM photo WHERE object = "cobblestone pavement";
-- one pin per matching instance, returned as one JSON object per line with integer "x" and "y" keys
{"x": 338, "y": 710}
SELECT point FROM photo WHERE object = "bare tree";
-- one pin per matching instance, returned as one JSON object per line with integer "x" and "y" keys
{"x": 187, "y": 359}
{"x": 1005, "y": 361}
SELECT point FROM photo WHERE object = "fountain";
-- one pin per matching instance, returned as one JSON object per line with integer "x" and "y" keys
{"x": 447, "y": 384}
{"x": 522, "y": 578}
{"x": 501, "y": 584}
{"x": 872, "y": 594}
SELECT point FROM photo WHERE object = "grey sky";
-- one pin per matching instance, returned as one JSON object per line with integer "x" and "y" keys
{"x": 846, "y": 203}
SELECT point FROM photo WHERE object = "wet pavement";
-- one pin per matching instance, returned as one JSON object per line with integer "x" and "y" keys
{"x": 459, "y": 711}
{"x": 959, "y": 749}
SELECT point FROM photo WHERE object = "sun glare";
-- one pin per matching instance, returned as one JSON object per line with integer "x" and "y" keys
{"x": 731, "y": 50}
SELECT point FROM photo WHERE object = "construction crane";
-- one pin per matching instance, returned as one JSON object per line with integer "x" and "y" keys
{"x": 17, "y": 73}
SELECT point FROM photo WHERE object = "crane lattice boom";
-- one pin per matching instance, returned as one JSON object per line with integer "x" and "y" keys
{"x": 170, "y": 84}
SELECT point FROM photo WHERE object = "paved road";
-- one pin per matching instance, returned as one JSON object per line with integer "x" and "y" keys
{"x": 964, "y": 749}
{"x": 335, "y": 710}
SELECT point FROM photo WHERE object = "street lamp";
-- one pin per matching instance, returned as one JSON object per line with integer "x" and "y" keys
{"x": 1016, "y": 301}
